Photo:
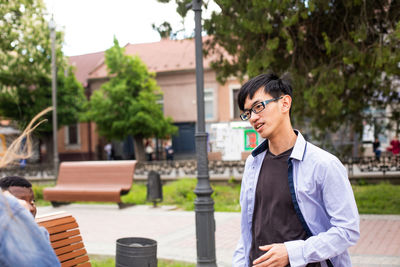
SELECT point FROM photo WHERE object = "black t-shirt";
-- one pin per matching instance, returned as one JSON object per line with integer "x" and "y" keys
{"x": 274, "y": 217}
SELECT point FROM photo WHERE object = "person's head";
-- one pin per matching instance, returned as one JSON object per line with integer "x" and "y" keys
{"x": 266, "y": 102}
{"x": 21, "y": 188}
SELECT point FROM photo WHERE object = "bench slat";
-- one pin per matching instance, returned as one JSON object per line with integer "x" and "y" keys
{"x": 66, "y": 241}
{"x": 72, "y": 255}
{"x": 68, "y": 248}
{"x": 52, "y": 216}
{"x": 61, "y": 228}
{"x": 63, "y": 235}
{"x": 75, "y": 261}
{"x": 57, "y": 222}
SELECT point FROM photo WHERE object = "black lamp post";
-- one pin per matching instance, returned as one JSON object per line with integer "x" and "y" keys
{"x": 52, "y": 26}
{"x": 204, "y": 205}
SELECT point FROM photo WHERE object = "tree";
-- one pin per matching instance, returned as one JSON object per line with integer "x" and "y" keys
{"x": 25, "y": 70}
{"x": 126, "y": 104}
{"x": 342, "y": 55}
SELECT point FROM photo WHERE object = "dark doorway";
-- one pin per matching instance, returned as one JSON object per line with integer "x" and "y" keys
{"x": 184, "y": 142}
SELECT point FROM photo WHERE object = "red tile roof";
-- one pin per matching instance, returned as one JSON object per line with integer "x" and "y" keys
{"x": 84, "y": 64}
{"x": 164, "y": 56}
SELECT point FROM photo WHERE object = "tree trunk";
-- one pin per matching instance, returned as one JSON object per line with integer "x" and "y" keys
{"x": 139, "y": 148}
{"x": 47, "y": 140}
{"x": 356, "y": 142}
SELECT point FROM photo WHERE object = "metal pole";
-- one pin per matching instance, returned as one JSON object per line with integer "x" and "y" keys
{"x": 52, "y": 27}
{"x": 204, "y": 204}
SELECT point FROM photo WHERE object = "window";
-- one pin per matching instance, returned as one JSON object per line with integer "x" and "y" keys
{"x": 209, "y": 104}
{"x": 236, "y": 110}
{"x": 72, "y": 138}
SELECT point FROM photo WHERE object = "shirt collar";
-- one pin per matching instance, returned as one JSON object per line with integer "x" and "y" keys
{"x": 298, "y": 149}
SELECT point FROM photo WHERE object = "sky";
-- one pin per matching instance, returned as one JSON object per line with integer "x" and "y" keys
{"x": 90, "y": 25}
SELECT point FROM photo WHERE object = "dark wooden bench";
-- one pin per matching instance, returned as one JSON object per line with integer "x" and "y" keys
{"x": 102, "y": 181}
{"x": 65, "y": 239}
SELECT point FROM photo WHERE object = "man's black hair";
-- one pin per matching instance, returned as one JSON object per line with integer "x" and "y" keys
{"x": 272, "y": 84}
{"x": 8, "y": 181}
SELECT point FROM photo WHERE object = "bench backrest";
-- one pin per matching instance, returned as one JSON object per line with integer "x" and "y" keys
{"x": 65, "y": 239}
{"x": 116, "y": 172}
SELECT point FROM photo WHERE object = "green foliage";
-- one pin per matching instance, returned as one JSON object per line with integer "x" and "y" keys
{"x": 102, "y": 262}
{"x": 164, "y": 30}
{"x": 126, "y": 104}
{"x": 25, "y": 68}
{"x": 334, "y": 50}
{"x": 137, "y": 194}
{"x": 343, "y": 55}
{"x": 38, "y": 193}
{"x": 180, "y": 193}
{"x": 226, "y": 197}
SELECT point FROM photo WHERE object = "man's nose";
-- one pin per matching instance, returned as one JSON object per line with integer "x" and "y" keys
{"x": 254, "y": 117}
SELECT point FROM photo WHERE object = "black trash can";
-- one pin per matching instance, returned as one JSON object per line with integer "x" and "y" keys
{"x": 154, "y": 188}
{"x": 136, "y": 252}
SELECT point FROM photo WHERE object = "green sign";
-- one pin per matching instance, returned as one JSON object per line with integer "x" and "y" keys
{"x": 250, "y": 139}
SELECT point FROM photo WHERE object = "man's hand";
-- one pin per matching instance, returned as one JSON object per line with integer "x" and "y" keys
{"x": 277, "y": 256}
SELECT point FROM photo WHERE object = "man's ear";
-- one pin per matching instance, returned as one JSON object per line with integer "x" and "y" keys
{"x": 286, "y": 103}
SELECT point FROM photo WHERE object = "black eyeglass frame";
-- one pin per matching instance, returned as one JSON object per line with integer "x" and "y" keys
{"x": 263, "y": 103}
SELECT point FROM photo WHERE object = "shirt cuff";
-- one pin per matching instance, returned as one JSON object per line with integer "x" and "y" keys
{"x": 295, "y": 253}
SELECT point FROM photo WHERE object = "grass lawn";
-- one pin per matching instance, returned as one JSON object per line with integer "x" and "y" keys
{"x": 371, "y": 199}
{"x": 100, "y": 261}
{"x": 383, "y": 198}
{"x": 180, "y": 193}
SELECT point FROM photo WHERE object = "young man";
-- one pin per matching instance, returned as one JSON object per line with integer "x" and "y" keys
{"x": 298, "y": 207}
{"x": 20, "y": 188}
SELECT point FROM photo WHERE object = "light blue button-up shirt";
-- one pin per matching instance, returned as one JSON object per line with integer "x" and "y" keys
{"x": 323, "y": 199}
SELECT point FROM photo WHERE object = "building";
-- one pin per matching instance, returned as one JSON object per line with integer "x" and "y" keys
{"x": 80, "y": 141}
{"x": 173, "y": 62}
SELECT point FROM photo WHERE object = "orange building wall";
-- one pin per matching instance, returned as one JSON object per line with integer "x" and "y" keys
{"x": 179, "y": 93}
{"x": 179, "y": 89}
{"x": 83, "y": 138}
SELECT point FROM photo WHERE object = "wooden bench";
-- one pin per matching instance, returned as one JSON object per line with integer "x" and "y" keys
{"x": 65, "y": 239}
{"x": 92, "y": 181}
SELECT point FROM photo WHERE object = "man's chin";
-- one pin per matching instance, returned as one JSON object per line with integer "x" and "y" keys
{"x": 264, "y": 134}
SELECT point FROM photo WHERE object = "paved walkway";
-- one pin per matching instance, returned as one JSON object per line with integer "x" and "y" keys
{"x": 102, "y": 225}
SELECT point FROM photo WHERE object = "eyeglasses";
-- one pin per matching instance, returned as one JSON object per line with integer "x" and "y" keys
{"x": 257, "y": 108}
